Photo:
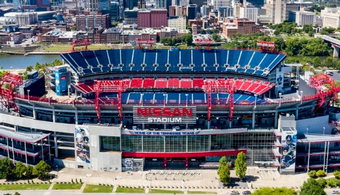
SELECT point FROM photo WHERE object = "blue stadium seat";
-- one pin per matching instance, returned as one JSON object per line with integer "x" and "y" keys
{"x": 134, "y": 98}
{"x": 150, "y": 59}
{"x": 173, "y": 98}
{"x": 162, "y": 59}
{"x": 198, "y": 61}
{"x": 127, "y": 58}
{"x": 148, "y": 98}
{"x": 210, "y": 60}
{"x": 114, "y": 58}
{"x": 174, "y": 60}
{"x": 199, "y": 98}
{"x": 159, "y": 98}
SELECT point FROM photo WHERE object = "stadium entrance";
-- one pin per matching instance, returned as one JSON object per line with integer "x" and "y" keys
{"x": 172, "y": 163}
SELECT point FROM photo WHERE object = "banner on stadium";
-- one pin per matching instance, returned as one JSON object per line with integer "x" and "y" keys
{"x": 289, "y": 140}
{"x": 164, "y": 115}
{"x": 82, "y": 144}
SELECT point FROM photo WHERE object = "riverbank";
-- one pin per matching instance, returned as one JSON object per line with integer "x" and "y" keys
{"x": 13, "y": 62}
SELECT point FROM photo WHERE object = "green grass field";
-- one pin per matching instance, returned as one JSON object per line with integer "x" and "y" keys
{"x": 61, "y": 48}
{"x": 130, "y": 190}
{"x": 158, "y": 191}
{"x": 97, "y": 189}
{"x": 25, "y": 187}
{"x": 200, "y": 192}
{"x": 67, "y": 186}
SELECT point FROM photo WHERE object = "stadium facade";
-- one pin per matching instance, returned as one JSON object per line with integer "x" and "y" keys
{"x": 137, "y": 109}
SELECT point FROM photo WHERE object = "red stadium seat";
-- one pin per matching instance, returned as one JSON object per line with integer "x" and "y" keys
{"x": 136, "y": 83}
{"x": 197, "y": 83}
{"x": 186, "y": 83}
{"x": 161, "y": 83}
{"x": 173, "y": 83}
{"x": 149, "y": 83}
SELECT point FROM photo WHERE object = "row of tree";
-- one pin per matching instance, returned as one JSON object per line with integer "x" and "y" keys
{"x": 224, "y": 170}
{"x": 9, "y": 170}
{"x": 294, "y": 46}
{"x": 309, "y": 187}
{"x": 185, "y": 39}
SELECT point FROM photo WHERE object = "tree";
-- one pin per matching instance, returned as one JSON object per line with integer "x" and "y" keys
{"x": 41, "y": 170}
{"x": 223, "y": 170}
{"x": 224, "y": 174}
{"x": 312, "y": 187}
{"x": 223, "y": 162}
{"x": 29, "y": 172}
{"x": 274, "y": 191}
{"x": 241, "y": 165}
{"x": 6, "y": 168}
{"x": 19, "y": 170}
{"x": 216, "y": 37}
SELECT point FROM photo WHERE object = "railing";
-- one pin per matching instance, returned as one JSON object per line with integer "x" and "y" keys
{"x": 114, "y": 101}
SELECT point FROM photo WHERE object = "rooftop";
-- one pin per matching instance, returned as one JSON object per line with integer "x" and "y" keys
{"x": 20, "y": 136}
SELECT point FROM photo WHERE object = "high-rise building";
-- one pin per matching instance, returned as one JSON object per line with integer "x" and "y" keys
{"x": 225, "y": 12}
{"x": 92, "y": 5}
{"x": 331, "y": 17}
{"x": 114, "y": 11}
{"x": 130, "y": 16}
{"x": 192, "y": 11}
{"x": 221, "y": 3}
{"x": 160, "y": 3}
{"x": 86, "y": 22}
{"x": 154, "y": 18}
{"x": 276, "y": 10}
{"x": 104, "y": 6}
{"x": 130, "y": 4}
{"x": 302, "y": 17}
{"x": 204, "y": 10}
{"x": 177, "y": 22}
{"x": 249, "y": 12}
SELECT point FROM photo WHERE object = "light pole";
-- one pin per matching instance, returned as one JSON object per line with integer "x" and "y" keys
{"x": 280, "y": 95}
{"x": 28, "y": 94}
{"x": 301, "y": 95}
{"x": 323, "y": 131}
{"x": 142, "y": 101}
{"x": 255, "y": 100}
{"x": 307, "y": 130}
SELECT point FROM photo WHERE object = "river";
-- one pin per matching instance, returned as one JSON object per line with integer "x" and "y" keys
{"x": 21, "y": 61}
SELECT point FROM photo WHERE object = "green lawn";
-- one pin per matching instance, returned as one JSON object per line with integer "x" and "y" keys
{"x": 67, "y": 186}
{"x": 61, "y": 48}
{"x": 97, "y": 189}
{"x": 166, "y": 191}
{"x": 130, "y": 190}
{"x": 200, "y": 192}
{"x": 25, "y": 187}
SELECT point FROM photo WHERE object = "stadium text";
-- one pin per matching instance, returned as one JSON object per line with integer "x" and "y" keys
{"x": 164, "y": 120}
{"x": 165, "y": 112}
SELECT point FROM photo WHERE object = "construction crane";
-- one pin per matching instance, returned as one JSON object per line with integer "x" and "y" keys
{"x": 218, "y": 86}
{"x": 8, "y": 83}
{"x": 109, "y": 86}
{"x": 80, "y": 43}
{"x": 320, "y": 82}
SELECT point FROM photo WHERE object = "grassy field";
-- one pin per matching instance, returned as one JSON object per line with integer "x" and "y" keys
{"x": 200, "y": 192}
{"x": 75, "y": 186}
{"x": 158, "y": 191}
{"x": 25, "y": 187}
{"x": 61, "y": 48}
{"x": 97, "y": 189}
{"x": 130, "y": 190}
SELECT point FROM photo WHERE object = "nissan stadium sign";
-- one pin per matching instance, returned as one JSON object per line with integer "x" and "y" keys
{"x": 164, "y": 115}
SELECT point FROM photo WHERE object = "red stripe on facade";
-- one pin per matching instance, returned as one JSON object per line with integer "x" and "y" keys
{"x": 182, "y": 154}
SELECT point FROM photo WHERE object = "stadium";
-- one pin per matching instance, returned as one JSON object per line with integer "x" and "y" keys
{"x": 139, "y": 109}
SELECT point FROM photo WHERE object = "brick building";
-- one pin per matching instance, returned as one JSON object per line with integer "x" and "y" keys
{"x": 233, "y": 26}
{"x": 86, "y": 22}
{"x": 154, "y": 18}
